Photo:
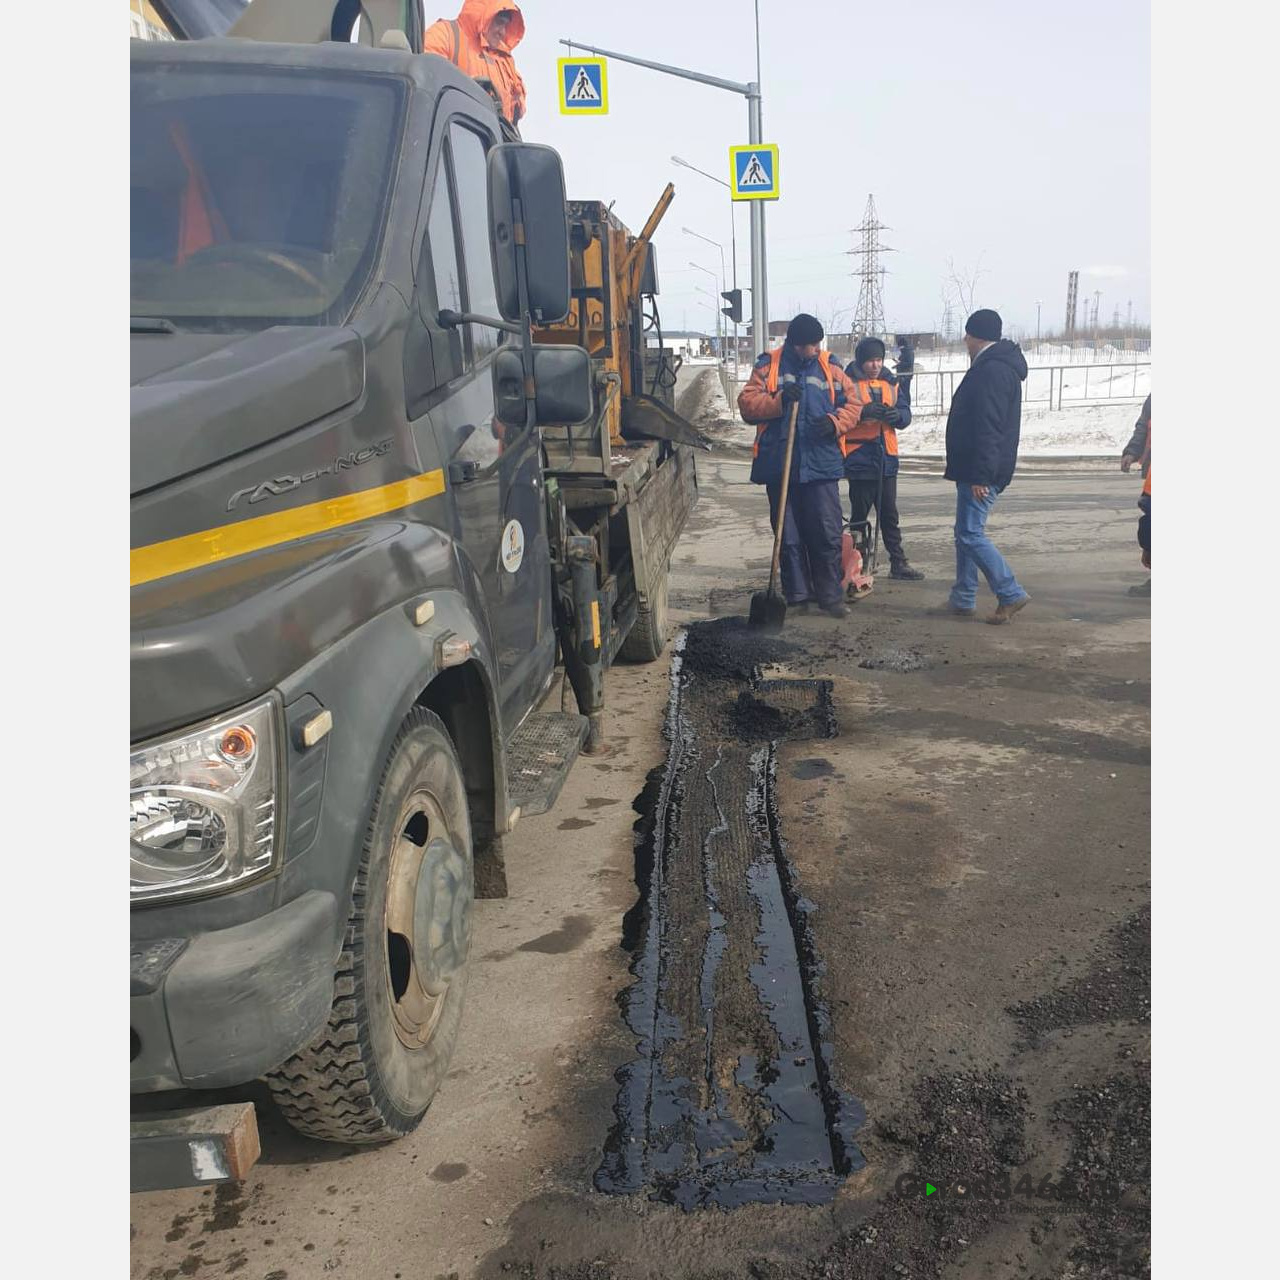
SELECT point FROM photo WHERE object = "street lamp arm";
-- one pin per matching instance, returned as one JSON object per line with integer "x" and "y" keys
{"x": 685, "y": 164}
{"x": 697, "y": 235}
{"x": 733, "y": 86}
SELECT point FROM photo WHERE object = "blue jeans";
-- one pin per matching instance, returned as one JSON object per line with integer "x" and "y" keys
{"x": 974, "y": 551}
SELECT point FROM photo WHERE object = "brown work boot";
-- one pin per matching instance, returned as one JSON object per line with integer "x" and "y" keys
{"x": 948, "y": 610}
{"x": 1005, "y": 612}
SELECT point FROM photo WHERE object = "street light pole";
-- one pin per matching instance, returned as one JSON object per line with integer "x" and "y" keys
{"x": 733, "y": 242}
{"x": 755, "y": 136}
{"x": 711, "y": 302}
{"x": 699, "y": 236}
{"x": 719, "y": 341}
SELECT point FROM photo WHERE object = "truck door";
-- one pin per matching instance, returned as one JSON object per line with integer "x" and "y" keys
{"x": 494, "y": 468}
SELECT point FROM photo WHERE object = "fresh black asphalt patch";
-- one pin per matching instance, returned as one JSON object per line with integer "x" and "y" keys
{"x": 732, "y": 1098}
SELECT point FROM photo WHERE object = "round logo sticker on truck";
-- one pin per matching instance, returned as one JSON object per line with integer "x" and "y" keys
{"x": 512, "y": 546}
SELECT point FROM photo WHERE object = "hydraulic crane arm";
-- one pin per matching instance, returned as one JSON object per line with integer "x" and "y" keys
{"x": 633, "y": 268}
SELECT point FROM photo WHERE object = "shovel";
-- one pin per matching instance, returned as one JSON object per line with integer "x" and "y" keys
{"x": 768, "y": 608}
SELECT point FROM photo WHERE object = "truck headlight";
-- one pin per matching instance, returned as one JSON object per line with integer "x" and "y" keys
{"x": 202, "y": 807}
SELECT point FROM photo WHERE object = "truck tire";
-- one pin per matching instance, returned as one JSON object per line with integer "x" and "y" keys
{"x": 400, "y": 981}
{"x": 647, "y": 639}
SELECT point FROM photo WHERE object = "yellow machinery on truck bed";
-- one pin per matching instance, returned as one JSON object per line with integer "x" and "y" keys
{"x": 612, "y": 273}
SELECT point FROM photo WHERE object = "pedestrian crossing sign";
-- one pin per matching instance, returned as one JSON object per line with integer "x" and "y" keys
{"x": 584, "y": 87}
{"x": 754, "y": 172}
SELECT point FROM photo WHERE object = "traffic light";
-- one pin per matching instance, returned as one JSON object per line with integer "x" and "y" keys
{"x": 734, "y": 310}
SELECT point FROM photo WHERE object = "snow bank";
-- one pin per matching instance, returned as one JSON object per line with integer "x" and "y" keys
{"x": 1083, "y": 428}
{"x": 1092, "y": 431}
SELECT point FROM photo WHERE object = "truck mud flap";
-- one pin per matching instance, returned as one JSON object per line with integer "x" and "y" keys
{"x": 657, "y": 516}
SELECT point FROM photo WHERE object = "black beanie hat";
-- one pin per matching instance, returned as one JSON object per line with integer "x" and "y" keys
{"x": 868, "y": 349}
{"x": 985, "y": 325}
{"x": 804, "y": 330}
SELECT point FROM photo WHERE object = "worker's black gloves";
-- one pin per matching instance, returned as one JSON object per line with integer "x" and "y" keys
{"x": 890, "y": 415}
{"x": 791, "y": 393}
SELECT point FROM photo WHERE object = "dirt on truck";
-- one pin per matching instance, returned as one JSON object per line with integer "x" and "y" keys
{"x": 371, "y": 519}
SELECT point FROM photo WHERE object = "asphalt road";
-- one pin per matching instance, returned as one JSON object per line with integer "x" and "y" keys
{"x": 975, "y": 846}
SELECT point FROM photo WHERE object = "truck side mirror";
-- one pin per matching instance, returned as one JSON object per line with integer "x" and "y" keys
{"x": 562, "y": 385}
{"x": 533, "y": 175}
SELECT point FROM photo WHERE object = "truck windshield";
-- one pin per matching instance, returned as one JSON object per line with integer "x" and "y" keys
{"x": 257, "y": 197}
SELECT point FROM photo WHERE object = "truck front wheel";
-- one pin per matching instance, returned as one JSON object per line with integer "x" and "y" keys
{"x": 370, "y": 1075}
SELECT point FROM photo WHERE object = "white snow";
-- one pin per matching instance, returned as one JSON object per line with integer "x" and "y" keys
{"x": 1084, "y": 431}
{"x": 1099, "y": 405}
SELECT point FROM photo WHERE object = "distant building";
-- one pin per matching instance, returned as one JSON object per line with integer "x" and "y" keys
{"x": 841, "y": 345}
{"x": 777, "y": 334}
{"x": 686, "y": 345}
{"x": 145, "y": 23}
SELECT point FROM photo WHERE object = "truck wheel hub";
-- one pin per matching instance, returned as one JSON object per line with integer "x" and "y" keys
{"x": 442, "y": 915}
{"x": 428, "y": 918}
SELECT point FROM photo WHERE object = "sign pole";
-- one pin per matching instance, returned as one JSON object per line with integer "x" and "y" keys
{"x": 751, "y": 91}
{"x": 761, "y": 345}
{"x": 759, "y": 270}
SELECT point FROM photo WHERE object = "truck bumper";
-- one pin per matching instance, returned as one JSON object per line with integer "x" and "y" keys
{"x": 222, "y": 1008}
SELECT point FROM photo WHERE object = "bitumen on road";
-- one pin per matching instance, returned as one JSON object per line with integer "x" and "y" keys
{"x": 971, "y": 850}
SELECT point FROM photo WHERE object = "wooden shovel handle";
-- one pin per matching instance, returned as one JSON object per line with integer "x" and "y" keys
{"x": 782, "y": 499}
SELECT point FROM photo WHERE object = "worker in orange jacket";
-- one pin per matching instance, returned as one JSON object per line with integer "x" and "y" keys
{"x": 479, "y": 42}
{"x": 871, "y": 449}
{"x": 801, "y": 374}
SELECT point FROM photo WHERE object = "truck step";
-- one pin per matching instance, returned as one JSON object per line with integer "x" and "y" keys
{"x": 539, "y": 756}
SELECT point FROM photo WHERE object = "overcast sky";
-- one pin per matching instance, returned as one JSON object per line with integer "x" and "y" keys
{"x": 1004, "y": 135}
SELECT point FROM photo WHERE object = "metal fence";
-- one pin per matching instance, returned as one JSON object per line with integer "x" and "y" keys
{"x": 727, "y": 386}
{"x": 1058, "y": 386}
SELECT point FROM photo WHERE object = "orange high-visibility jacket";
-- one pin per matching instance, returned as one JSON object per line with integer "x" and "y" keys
{"x": 760, "y": 403}
{"x": 863, "y": 394}
{"x": 464, "y": 41}
{"x": 825, "y": 398}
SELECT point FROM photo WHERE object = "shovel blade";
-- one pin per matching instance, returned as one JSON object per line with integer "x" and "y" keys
{"x": 768, "y": 611}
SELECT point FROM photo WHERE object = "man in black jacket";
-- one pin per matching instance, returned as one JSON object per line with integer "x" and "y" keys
{"x": 982, "y": 451}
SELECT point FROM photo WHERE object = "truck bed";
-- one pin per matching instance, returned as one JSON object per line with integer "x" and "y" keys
{"x": 630, "y": 468}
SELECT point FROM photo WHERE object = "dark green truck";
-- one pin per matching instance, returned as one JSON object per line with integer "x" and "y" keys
{"x": 355, "y": 565}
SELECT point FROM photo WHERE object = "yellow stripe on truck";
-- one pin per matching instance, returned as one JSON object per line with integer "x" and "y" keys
{"x": 195, "y": 550}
